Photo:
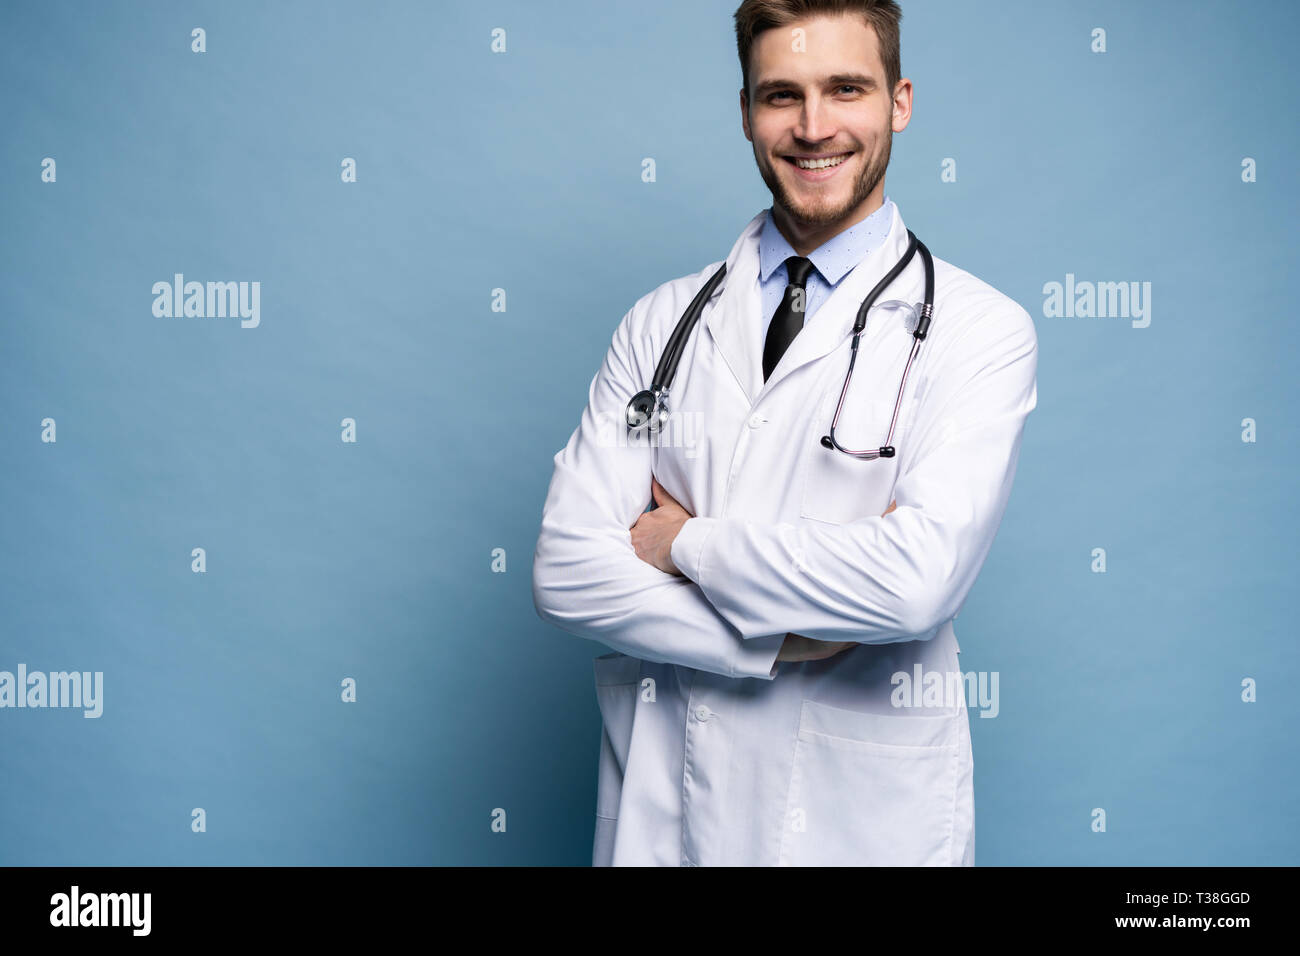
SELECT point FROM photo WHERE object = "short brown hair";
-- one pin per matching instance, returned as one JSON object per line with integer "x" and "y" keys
{"x": 755, "y": 16}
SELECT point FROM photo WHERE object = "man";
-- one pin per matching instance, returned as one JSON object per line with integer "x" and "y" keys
{"x": 774, "y": 609}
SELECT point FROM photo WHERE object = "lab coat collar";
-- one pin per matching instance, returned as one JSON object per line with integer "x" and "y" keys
{"x": 736, "y": 325}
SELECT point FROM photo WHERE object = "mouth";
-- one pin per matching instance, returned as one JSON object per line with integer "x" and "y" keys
{"x": 817, "y": 167}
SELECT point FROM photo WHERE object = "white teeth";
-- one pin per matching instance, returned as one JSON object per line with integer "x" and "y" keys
{"x": 820, "y": 163}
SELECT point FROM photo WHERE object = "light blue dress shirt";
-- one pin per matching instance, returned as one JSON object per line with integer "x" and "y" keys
{"x": 832, "y": 260}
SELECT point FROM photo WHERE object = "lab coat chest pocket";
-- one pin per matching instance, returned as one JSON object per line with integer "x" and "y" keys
{"x": 871, "y": 789}
{"x": 838, "y": 488}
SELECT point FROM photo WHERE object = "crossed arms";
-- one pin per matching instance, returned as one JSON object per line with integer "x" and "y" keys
{"x": 744, "y": 586}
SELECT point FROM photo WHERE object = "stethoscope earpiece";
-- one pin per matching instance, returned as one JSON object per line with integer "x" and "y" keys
{"x": 885, "y": 452}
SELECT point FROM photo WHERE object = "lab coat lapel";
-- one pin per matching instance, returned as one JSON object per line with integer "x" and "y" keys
{"x": 833, "y": 320}
{"x": 733, "y": 319}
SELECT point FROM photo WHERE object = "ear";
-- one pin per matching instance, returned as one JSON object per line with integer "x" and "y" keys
{"x": 902, "y": 113}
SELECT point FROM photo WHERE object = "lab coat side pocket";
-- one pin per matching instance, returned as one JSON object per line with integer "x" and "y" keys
{"x": 617, "y": 680}
{"x": 871, "y": 789}
{"x": 617, "y": 677}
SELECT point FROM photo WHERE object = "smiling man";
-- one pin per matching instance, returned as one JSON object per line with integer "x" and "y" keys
{"x": 801, "y": 568}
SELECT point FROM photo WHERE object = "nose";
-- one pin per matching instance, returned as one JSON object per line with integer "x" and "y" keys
{"x": 814, "y": 120}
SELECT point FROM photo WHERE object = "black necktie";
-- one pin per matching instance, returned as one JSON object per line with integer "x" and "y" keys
{"x": 788, "y": 319}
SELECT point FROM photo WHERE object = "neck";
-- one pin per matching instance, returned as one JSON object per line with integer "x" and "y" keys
{"x": 804, "y": 236}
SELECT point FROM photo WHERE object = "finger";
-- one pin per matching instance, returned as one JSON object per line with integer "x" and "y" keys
{"x": 892, "y": 506}
{"x": 661, "y": 493}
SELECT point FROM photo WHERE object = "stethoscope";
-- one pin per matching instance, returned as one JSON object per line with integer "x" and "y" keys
{"x": 649, "y": 407}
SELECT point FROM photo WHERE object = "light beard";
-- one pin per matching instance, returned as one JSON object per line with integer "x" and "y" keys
{"x": 873, "y": 171}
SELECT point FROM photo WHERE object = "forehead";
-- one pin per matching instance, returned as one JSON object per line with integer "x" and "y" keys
{"x": 813, "y": 48}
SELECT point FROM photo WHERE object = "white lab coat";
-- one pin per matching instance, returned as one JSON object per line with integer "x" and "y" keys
{"x": 711, "y": 752}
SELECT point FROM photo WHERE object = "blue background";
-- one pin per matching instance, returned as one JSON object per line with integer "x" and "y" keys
{"x": 522, "y": 171}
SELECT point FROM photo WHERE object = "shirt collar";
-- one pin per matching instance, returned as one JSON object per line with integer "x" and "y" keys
{"x": 836, "y": 256}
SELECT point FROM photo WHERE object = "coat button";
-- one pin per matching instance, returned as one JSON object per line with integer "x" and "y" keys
{"x": 702, "y": 713}
{"x": 755, "y": 420}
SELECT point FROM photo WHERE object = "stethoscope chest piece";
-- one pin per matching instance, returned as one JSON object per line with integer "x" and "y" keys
{"x": 643, "y": 411}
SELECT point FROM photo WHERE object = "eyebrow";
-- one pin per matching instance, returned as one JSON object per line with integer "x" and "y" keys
{"x": 770, "y": 86}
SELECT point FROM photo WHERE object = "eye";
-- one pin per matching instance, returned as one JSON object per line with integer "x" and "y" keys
{"x": 851, "y": 88}
{"x": 778, "y": 93}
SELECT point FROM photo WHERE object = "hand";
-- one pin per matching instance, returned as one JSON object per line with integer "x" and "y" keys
{"x": 654, "y": 531}
{"x": 796, "y": 647}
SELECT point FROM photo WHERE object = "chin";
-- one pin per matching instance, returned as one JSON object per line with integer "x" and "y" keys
{"x": 819, "y": 212}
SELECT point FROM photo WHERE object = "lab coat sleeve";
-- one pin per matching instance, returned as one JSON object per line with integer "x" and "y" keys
{"x": 901, "y": 576}
{"x": 588, "y": 579}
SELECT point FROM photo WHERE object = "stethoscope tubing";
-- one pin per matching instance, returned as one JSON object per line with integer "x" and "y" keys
{"x": 666, "y": 370}
{"x": 651, "y": 404}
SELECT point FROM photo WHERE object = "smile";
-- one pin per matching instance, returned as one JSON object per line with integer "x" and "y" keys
{"x": 820, "y": 163}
